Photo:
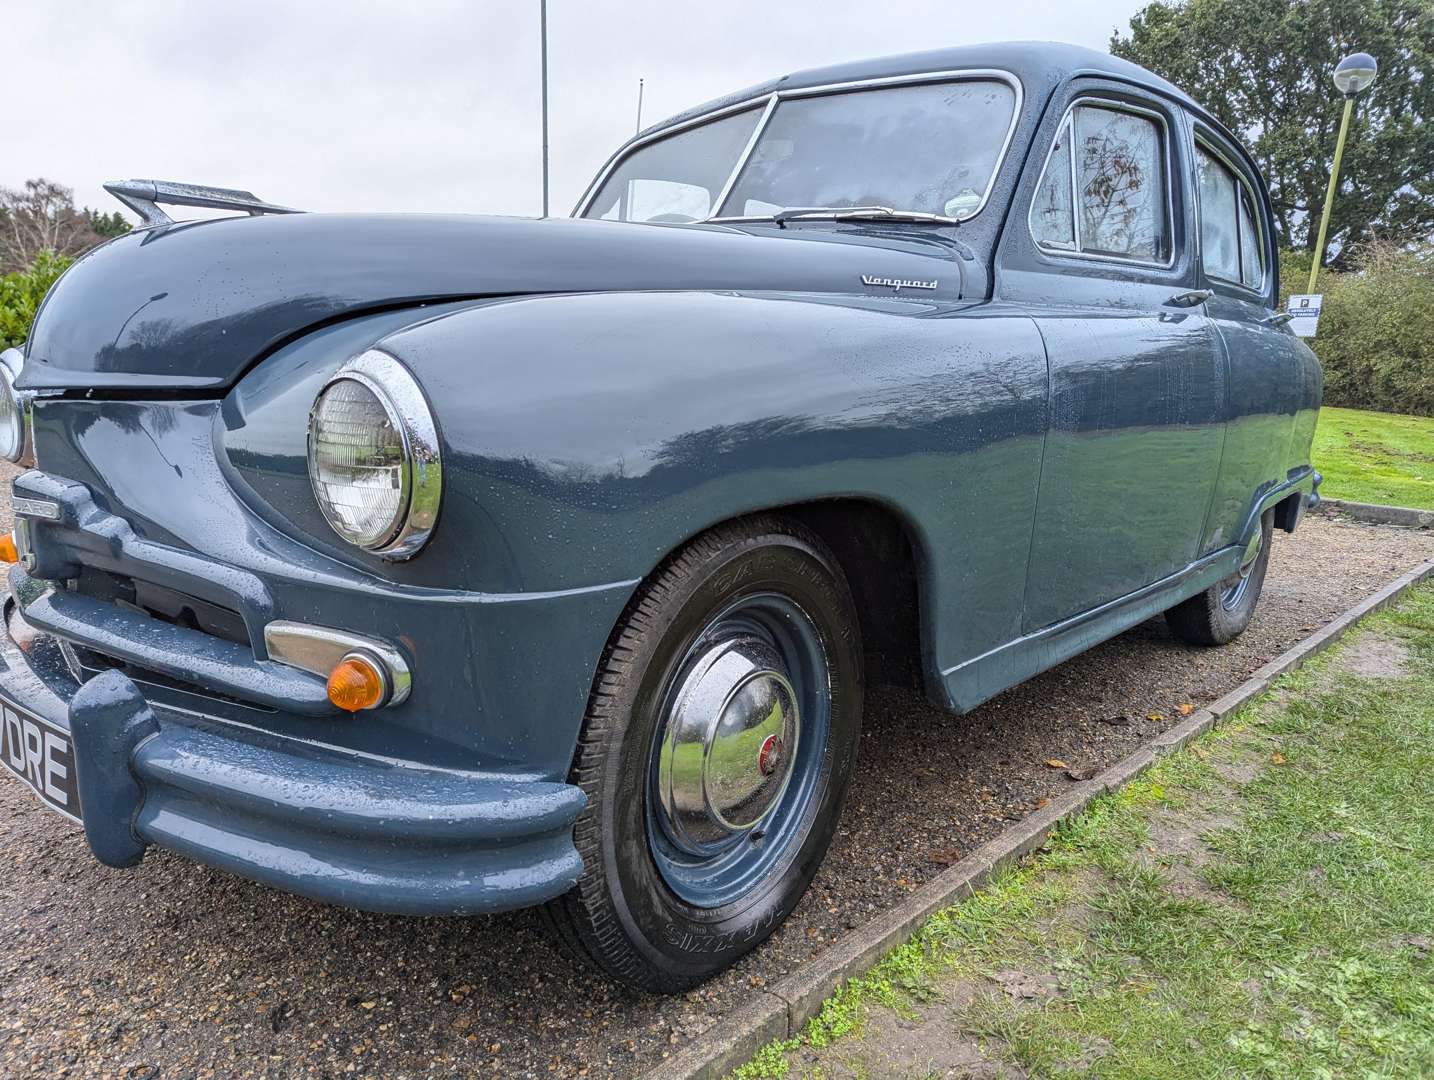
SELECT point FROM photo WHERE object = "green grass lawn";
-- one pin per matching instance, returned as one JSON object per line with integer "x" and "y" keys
{"x": 1260, "y": 904}
{"x": 1376, "y": 457}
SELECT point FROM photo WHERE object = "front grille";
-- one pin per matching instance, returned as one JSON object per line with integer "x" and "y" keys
{"x": 85, "y": 663}
{"x": 159, "y": 602}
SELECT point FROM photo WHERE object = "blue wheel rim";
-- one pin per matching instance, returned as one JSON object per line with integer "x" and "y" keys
{"x": 726, "y": 870}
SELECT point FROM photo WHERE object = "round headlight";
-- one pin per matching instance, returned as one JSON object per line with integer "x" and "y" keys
{"x": 373, "y": 456}
{"x": 12, "y": 408}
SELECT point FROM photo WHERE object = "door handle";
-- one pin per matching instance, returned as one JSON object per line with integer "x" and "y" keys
{"x": 1191, "y": 298}
{"x": 1278, "y": 319}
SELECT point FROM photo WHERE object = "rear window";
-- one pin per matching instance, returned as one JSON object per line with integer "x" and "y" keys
{"x": 1230, "y": 244}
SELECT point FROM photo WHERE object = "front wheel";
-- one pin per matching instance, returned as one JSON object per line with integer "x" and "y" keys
{"x": 716, "y": 753}
{"x": 1222, "y": 612}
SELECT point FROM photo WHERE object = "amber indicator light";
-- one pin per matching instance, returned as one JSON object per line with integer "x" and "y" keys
{"x": 7, "y": 549}
{"x": 356, "y": 683}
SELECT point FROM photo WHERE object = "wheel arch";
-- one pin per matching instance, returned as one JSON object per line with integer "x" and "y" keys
{"x": 886, "y": 564}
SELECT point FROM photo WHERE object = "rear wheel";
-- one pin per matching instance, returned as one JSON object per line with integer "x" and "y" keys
{"x": 1222, "y": 612}
{"x": 716, "y": 753}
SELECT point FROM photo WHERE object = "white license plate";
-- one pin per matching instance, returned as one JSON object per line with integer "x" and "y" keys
{"x": 39, "y": 754}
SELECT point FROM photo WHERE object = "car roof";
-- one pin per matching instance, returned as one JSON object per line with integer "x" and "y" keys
{"x": 1037, "y": 64}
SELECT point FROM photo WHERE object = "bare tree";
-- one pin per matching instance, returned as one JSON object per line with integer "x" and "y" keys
{"x": 41, "y": 217}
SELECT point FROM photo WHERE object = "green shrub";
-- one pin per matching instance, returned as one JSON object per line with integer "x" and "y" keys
{"x": 21, "y": 293}
{"x": 1376, "y": 332}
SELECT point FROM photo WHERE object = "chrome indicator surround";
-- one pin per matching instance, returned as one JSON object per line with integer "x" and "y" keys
{"x": 317, "y": 649}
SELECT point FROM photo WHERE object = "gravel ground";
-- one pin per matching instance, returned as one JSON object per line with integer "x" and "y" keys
{"x": 173, "y": 970}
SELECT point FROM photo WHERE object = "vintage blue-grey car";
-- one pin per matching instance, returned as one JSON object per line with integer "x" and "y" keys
{"x": 440, "y": 564}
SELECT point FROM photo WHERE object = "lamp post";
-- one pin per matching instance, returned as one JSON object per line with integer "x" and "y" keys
{"x": 1353, "y": 76}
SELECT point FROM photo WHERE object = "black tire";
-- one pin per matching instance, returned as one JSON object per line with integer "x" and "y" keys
{"x": 1221, "y": 613}
{"x": 622, "y": 916}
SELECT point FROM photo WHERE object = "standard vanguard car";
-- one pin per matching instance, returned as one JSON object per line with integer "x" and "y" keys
{"x": 453, "y": 564}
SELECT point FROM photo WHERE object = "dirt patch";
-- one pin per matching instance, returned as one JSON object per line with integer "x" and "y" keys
{"x": 1374, "y": 656}
{"x": 1177, "y": 846}
{"x": 931, "y": 1045}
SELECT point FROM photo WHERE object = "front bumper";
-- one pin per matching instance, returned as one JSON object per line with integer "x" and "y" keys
{"x": 338, "y": 826}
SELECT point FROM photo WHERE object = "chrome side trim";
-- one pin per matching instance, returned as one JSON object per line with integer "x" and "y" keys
{"x": 772, "y": 99}
{"x": 317, "y": 649}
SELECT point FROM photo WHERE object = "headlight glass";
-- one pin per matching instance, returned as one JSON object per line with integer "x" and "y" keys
{"x": 12, "y": 410}
{"x": 373, "y": 457}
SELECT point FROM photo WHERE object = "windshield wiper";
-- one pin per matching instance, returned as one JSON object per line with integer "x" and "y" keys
{"x": 845, "y": 213}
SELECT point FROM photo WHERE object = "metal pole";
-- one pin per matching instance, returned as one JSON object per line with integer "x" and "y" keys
{"x": 543, "y": 27}
{"x": 639, "y": 105}
{"x": 1329, "y": 193}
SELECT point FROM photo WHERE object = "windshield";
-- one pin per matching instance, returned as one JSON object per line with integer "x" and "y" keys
{"x": 928, "y": 147}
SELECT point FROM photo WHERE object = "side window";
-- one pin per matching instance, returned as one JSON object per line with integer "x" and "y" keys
{"x": 1052, "y": 218}
{"x": 1230, "y": 246}
{"x": 1219, "y": 219}
{"x": 1252, "y": 252}
{"x": 1103, "y": 191}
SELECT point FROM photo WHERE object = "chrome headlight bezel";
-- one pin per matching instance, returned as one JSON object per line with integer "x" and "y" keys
{"x": 421, "y": 469}
{"x": 11, "y": 362}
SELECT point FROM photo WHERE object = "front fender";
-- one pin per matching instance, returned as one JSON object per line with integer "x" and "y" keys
{"x": 590, "y": 435}
{"x": 586, "y": 436}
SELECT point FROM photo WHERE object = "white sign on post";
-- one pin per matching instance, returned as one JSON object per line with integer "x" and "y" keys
{"x": 1304, "y": 313}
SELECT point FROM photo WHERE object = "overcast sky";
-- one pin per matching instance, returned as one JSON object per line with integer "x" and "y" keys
{"x": 421, "y": 104}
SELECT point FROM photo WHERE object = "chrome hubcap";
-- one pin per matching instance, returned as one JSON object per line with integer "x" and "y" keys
{"x": 738, "y": 756}
{"x": 728, "y": 745}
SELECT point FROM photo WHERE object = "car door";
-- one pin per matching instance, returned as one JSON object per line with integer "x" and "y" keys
{"x": 1270, "y": 383}
{"x": 1137, "y": 378}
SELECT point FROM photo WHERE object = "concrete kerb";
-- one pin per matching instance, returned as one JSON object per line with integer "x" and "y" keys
{"x": 1403, "y": 516}
{"x": 785, "y": 1007}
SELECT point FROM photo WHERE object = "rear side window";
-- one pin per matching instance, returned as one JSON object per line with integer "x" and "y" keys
{"x": 1230, "y": 246}
{"x": 1103, "y": 191}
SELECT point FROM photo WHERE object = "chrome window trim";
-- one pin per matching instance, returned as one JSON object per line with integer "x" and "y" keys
{"x": 1067, "y": 125}
{"x": 746, "y": 153}
{"x": 1203, "y": 142}
{"x": 422, "y": 475}
{"x": 1068, "y": 122}
{"x": 774, "y": 97}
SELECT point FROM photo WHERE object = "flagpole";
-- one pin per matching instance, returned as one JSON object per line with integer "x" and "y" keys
{"x": 543, "y": 30}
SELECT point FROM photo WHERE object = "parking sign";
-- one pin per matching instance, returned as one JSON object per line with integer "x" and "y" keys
{"x": 1304, "y": 313}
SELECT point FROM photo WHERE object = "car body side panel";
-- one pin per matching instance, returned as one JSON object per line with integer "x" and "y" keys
{"x": 1137, "y": 423}
{"x": 587, "y": 436}
{"x": 1275, "y": 389}
{"x": 1137, "y": 388}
